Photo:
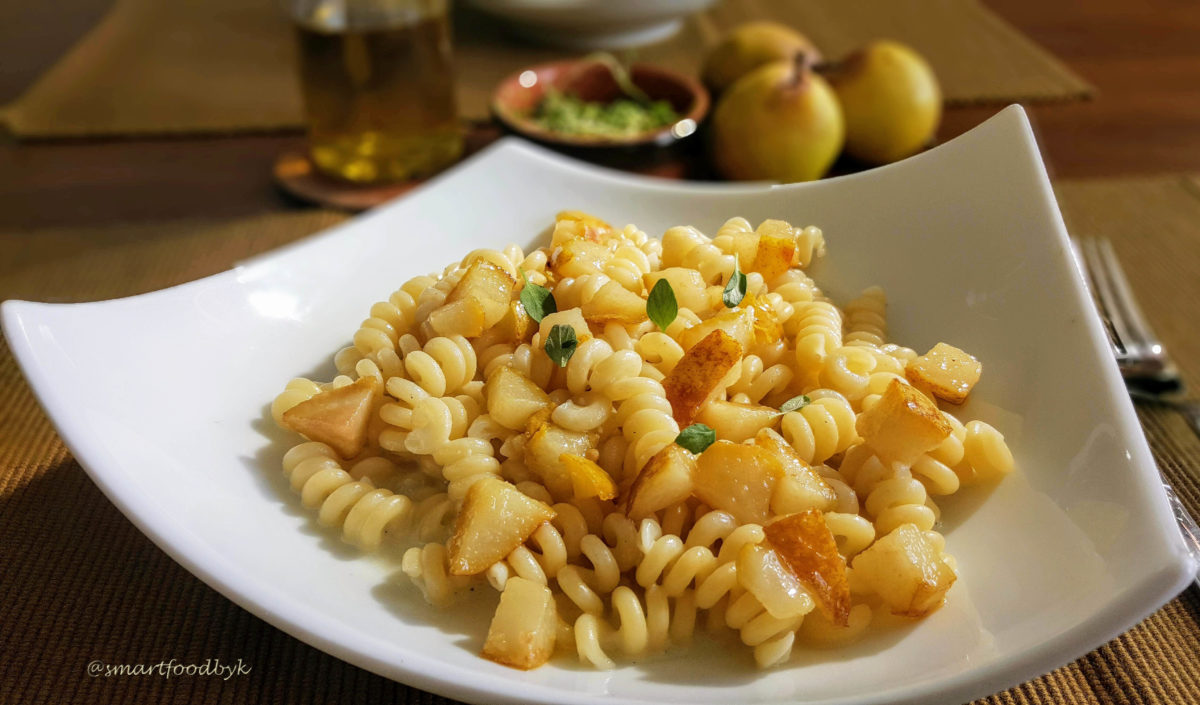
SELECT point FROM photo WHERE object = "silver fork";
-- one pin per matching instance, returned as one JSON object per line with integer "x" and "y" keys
{"x": 1148, "y": 371}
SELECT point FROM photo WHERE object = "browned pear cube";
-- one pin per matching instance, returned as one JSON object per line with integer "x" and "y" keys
{"x": 547, "y": 443}
{"x": 738, "y": 479}
{"x": 578, "y": 257}
{"x": 487, "y": 284}
{"x": 465, "y": 317}
{"x": 776, "y": 248}
{"x": 903, "y": 425}
{"x": 735, "y": 421}
{"x": 767, "y": 328}
{"x": 512, "y": 398}
{"x": 698, "y": 374}
{"x": 946, "y": 371}
{"x": 665, "y": 481}
{"x": 906, "y": 570}
{"x": 688, "y": 284}
{"x": 762, "y": 571}
{"x": 810, "y": 551}
{"x": 587, "y": 478}
{"x": 615, "y": 303}
{"x": 494, "y": 519}
{"x": 800, "y": 487}
{"x": 737, "y": 323}
{"x": 525, "y": 626}
{"x": 573, "y": 225}
{"x": 516, "y": 327}
{"x": 338, "y": 417}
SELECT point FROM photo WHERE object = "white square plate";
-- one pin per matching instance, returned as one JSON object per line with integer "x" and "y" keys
{"x": 163, "y": 399}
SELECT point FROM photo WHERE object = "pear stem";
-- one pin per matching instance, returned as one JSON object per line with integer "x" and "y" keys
{"x": 802, "y": 63}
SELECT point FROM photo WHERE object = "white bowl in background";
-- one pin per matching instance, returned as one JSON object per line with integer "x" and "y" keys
{"x": 593, "y": 24}
{"x": 163, "y": 399}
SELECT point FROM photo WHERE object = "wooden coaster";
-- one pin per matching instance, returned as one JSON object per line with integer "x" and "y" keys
{"x": 294, "y": 173}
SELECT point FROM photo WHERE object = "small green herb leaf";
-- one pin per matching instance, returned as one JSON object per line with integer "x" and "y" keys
{"x": 561, "y": 344}
{"x": 696, "y": 438}
{"x": 794, "y": 404}
{"x": 735, "y": 290}
{"x": 537, "y": 300}
{"x": 661, "y": 306}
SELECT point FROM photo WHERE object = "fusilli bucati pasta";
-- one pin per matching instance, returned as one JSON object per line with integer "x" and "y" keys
{"x": 629, "y": 473}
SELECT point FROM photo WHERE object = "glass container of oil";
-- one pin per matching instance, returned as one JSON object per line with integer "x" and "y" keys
{"x": 378, "y": 83}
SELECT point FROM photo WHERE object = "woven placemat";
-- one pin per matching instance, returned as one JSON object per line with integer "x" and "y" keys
{"x": 191, "y": 66}
{"x": 81, "y": 584}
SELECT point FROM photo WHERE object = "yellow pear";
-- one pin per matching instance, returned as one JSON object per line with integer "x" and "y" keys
{"x": 780, "y": 122}
{"x": 891, "y": 101}
{"x": 749, "y": 46}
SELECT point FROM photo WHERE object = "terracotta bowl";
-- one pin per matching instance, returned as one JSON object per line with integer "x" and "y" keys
{"x": 519, "y": 94}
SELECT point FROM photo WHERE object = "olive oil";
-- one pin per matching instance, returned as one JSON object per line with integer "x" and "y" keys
{"x": 379, "y": 93}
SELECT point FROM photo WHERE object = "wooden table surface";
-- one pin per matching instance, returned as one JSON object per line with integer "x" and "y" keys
{"x": 1143, "y": 57}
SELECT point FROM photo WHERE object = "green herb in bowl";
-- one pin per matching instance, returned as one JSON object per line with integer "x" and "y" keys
{"x": 570, "y": 115}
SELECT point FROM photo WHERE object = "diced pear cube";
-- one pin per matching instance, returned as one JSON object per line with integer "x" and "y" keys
{"x": 738, "y": 479}
{"x": 494, "y": 519}
{"x": 902, "y": 425}
{"x": 767, "y": 328}
{"x": 516, "y": 327}
{"x": 578, "y": 257}
{"x": 338, "y": 417}
{"x": 666, "y": 480}
{"x": 810, "y": 551}
{"x": 800, "y": 487}
{"x": 698, "y": 374}
{"x": 688, "y": 285}
{"x": 615, "y": 303}
{"x": 488, "y": 284}
{"x": 745, "y": 246}
{"x": 737, "y": 323}
{"x": 546, "y": 443}
{"x": 575, "y": 225}
{"x": 572, "y": 317}
{"x": 465, "y": 317}
{"x": 512, "y": 398}
{"x": 906, "y": 570}
{"x": 776, "y": 249}
{"x": 525, "y": 626}
{"x": 735, "y": 421}
{"x": 587, "y": 478}
{"x": 946, "y": 371}
{"x": 762, "y": 572}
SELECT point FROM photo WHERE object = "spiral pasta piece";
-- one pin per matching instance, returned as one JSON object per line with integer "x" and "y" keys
{"x": 820, "y": 429}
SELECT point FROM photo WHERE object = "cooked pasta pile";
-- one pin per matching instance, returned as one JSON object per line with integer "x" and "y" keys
{"x": 632, "y": 439}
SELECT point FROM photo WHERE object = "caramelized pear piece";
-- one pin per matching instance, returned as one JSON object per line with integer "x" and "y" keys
{"x": 810, "y": 551}
{"x": 524, "y": 628}
{"x": 738, "y": 479}
{"x": 735, "y": 421}
{"x": 494, "y": 519}
{"x": 587, "y": 478}
{"x": 615, "y": 303}
{"x": 800, "y": 487}
{"x": 698, "y": 374}
{"x": 337, "y": 417}
{"x": 776, "y": 249}
{"x": 947, "y": 372}
{"x": 666, "y": 480}
{"x": 761, "y": 570}
{"x": 903, "y": 424}
{"x": 512, "y": 398}
{"x": 488, "y": 285}
{"x": 907, "y": 570}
